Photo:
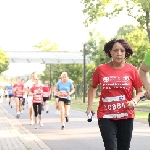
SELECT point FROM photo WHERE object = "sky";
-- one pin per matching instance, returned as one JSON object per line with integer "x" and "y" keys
{"x": 25, "y": 23}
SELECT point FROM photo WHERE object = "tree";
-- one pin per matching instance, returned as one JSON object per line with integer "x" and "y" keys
{"x": 126, "y": 29}
{"x": 138, "y": 9}
{"x": 46, "y": 45}
{"x": 95, "y": 47}
{"x": 138, "y": 40}
{"x": 4, "y": 61}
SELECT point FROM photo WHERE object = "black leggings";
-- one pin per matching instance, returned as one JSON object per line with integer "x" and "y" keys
{"x": 116, "y": 134}
{"x": 37, "y": 107}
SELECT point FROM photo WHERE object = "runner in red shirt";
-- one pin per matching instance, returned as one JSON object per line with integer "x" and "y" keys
{"x": 37, "y": 92}
{"x": 46, "y": 96}
{"x": 117, "y": 79}
{"x": 18, "y": 95}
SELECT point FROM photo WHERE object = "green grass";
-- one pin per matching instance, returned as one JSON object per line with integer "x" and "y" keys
{"x": 144, "y": 103}
{"x": 141, "y": 114}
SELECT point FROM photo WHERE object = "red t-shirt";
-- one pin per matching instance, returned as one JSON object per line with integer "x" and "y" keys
{"x": 18, "y": 87}
{"x": 46, "y": 91}
{"x": 38, "y": 98}
{"x": 116, "y": 89}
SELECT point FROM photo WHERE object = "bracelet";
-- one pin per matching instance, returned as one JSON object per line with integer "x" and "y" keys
{"x": 135, "y": 102}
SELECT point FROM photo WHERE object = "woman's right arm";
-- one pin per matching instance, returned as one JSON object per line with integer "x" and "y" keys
{"x": 144, "y": 69}
{"x": 91, "y": 95}
{"x": 144, "y": 75}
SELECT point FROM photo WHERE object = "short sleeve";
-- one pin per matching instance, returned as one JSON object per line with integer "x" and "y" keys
{"x": 71, "y": 84}
{"x": 137, "y": 83}
{"x": 32, "y": 90}
{"x": 26, "y": 85}
{"x": 57, "y": 85}
{"x": 147, "y": 58}
{"x": 95, "y": 76}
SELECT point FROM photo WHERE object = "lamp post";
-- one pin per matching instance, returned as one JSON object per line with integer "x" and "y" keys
{"x": 84, "y": 71}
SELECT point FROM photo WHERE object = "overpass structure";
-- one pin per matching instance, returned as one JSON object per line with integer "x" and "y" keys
{"x": 44, "y": 57}
{"x": 52, "y": 57}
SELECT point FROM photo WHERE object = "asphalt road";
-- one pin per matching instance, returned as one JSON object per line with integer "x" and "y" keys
{"x": 78, "y": 134}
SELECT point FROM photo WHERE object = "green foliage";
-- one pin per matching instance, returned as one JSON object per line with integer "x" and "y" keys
{"x": 46, "y": 45}
{"x": 74, "y": 71}
{"x": 89, "y": 70}
{"x": 4, "y": 61}
{"x": 94, "y": 9}
{"x": 138, "y": 9}
{"x": 95, "y": 47}
{"x": 126, "y": 29}
{"x": 138, "y": 40}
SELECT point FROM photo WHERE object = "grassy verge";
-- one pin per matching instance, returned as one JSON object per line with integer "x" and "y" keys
{"x": 140, "y": 114}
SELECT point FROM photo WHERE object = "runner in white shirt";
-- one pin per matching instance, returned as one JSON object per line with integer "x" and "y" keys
{"x": 28, "y": 85}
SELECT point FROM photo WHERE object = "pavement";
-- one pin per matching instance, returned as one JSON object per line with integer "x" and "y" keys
{"x": 17, "y": 134}
{"x": 14, "y": 136}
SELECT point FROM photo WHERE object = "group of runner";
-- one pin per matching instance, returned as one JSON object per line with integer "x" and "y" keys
{"x": 37, "y": 95}
{"x": 33, "y": 93}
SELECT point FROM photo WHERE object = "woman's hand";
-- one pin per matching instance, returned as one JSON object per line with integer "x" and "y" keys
{"x": 90, "y": 109}
{"x": 70, "y": 93}
{"x": 130, "y": 104}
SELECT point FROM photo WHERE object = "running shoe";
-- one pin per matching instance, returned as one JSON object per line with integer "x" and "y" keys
{"x": 41, "y": 124}
{"x": 21, "y": 112}
{"x": 18, "y": 115}
{"x": 31, "y": 122}
{"x": 62, "y": 127}
{"x": 47, "y": 111}
{"x": 36, "y": 126}
{"x": 57, "y": 112}
{"x": 67, "y": 119}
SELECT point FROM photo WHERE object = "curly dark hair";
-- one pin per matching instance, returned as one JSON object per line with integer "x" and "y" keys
{"x": 109, "y": 45}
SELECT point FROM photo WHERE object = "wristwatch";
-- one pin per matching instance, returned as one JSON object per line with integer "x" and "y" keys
{"x": 135, "y": 102}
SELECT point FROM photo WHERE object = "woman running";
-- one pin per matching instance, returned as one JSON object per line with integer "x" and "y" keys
{"x": 37, "y": 92}
{"x": 64, "y": 89}
{"x": 9, "y": 88}
{"x": 18, "y": 95}
{"x": 46, "y": 96}
{"x": 29, "y": 84}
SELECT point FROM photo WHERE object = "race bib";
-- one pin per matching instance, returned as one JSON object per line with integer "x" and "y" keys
{"x": 10, "y": 91}
{"x": 46, "y": 94}
{"x": 63, "y": 94}
{"x": 115, "y": 106}
{"x": 38, "y": 97}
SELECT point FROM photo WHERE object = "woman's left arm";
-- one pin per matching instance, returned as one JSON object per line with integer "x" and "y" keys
{"x": 139, "y": 93}
{"x": 72, "y": 90}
